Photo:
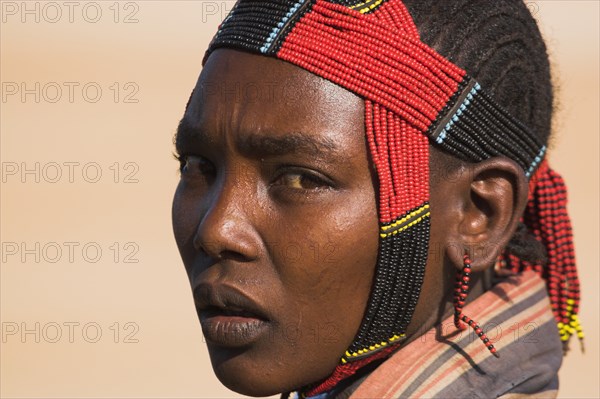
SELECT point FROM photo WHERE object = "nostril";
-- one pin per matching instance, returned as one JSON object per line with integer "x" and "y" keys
{"x": 219, "y": 251}
{"x": 236, "y": 256}
{"x": 211, "y": 249}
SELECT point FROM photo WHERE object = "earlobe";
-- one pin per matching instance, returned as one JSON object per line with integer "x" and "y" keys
{"x": 491, "y": 202}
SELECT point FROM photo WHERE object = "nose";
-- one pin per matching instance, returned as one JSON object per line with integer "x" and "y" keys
{"x": 226, "y": 229}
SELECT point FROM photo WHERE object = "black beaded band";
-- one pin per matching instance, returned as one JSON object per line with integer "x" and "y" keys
{"x": 474, "y": 128}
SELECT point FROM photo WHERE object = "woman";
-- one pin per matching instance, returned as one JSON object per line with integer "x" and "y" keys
{"x": 346, "y": 189}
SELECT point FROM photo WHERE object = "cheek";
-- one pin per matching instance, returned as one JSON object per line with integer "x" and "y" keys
{"x": 328, "y": 272}
{"x": 337, "y": 241}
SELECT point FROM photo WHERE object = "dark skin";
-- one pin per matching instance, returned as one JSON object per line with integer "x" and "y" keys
{"x": 277, "y": 204}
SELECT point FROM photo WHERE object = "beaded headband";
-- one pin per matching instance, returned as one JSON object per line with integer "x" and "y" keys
{"x": 413, "y": 97}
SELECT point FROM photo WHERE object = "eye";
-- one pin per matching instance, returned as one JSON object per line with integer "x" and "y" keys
{"x": 301, "y": 181}
{"x": 193, "y": 166}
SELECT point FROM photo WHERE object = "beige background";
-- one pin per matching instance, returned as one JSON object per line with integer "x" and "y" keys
{"x": 155, "y": 61}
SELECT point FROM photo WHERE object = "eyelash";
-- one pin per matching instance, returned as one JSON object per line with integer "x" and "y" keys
{"x": 285, "y": 171}
{"x": 180, "y": 159}
{"x": 317, "y": 181}
{"x": 183, "y": 161}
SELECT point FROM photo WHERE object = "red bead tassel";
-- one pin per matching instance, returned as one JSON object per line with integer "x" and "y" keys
{"x": 555, "y": 232}
{"x": 460, "y": 295}
{"x": 547, "y": 218}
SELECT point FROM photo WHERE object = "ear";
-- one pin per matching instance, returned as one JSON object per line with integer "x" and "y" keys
{"x": 486, "y": 206}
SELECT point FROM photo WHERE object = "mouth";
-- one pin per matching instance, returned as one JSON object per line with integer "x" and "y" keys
{"x": 214, "y": 311}
{"x": 229, "y": 318}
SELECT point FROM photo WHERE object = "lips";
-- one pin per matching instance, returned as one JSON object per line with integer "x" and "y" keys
{"x": 228, "y": 316}
{"x": 230, "y": 312}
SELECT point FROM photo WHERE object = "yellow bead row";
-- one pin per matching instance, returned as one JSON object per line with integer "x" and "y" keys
{"x": 371, "y": 348}
{"x": 405, "y": 218}
{"x": 384, "y": 235}
{"x": 573, "y": 327}
{"x": 367, "y": 8}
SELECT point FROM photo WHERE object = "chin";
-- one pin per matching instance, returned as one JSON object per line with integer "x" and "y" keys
{"x": 255, "y": 372}
{"x": 246, "y": 372}
{"x": 248, "y": 388}
{"x": 246, "y": 381}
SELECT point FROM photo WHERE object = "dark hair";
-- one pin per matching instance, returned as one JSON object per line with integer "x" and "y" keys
{"x": 500, "y": 45}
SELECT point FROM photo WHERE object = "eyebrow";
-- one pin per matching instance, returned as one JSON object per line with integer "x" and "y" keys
{"x": 188, "y": 135}
{"x": 262, "y": 145}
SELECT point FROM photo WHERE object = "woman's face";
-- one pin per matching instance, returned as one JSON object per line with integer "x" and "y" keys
{"x": 275, "y": 218}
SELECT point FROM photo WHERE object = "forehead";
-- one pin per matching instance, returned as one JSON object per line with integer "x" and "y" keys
{"x": 241, "y": 93}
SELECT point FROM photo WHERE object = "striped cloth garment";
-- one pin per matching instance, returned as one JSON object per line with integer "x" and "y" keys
{"x": 445, "y": 363}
